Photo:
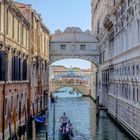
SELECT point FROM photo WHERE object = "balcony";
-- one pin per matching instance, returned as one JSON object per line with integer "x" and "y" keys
{"x": 115, "y": 7}
{"x": 108, "y": 22}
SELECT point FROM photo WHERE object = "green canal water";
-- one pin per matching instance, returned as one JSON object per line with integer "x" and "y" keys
{"x": 82, "y": 113}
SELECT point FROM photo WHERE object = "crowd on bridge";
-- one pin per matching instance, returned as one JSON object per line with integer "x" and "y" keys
{"x": 70, "y": 81}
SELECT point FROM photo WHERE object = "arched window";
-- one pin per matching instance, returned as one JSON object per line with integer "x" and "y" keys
{"x": 3, "y": 66}
{"x": 125, "y": 71}
{"x": 129, "y": 92}
{"x": 137, "y": 69}
{"x": 138, "y": 92}
{"x": 15, "y": 68}
{"x": 20, "y": 68}
{"x": 128, "y": 69}
{"x": 133, "y": 95}
{"x": 133, "y": 70}
{"x": 24, "y": 70}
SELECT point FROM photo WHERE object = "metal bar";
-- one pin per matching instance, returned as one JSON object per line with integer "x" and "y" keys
{"x": 82, "y": 135}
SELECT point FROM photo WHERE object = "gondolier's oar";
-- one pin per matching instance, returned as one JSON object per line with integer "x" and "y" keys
{"x": 10, "y": 131}
{"x": 80, "y": 134}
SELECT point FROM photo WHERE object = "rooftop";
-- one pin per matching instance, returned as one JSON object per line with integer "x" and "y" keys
{"x": 73, "y": 35}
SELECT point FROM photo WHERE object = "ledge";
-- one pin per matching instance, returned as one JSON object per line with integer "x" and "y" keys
{"x": 14, "y": 82}
{"x": 121, "y": 124}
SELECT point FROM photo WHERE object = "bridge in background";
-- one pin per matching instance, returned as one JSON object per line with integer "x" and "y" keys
{"x": 79, "y": 85}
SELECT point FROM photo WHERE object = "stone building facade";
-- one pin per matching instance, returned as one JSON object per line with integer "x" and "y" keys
{"x": 23, "y": 66}
{"x": 116, "y": 24}
{"x": 39, "y": 57}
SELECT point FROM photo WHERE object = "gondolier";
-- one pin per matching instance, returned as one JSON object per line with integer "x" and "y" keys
{"x": 64, "y": 121}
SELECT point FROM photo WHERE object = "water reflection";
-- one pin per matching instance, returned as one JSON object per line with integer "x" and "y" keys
{"x": 82, "y": 113}
{"x": 67, "y": 92}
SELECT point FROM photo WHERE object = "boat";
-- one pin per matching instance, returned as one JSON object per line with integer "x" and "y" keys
{"x": 70, "y": 92}
{"x": 40, "y": 119}
{"x": 65, "y": 135}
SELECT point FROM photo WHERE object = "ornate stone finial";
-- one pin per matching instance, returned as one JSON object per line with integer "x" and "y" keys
{"x": 58, "y": 31}
{"x": 73, "y": 30}
{"x": 88, "y": 31}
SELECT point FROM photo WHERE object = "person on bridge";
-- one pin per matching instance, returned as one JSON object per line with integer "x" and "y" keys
{"x": 64, "y": 121}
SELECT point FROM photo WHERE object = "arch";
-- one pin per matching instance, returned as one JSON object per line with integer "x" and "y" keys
{"x": 93, "y": 60}
{"x": 83, "y": 90}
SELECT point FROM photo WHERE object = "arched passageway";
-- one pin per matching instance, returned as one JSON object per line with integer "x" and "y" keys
{"x": 82, "y": 80}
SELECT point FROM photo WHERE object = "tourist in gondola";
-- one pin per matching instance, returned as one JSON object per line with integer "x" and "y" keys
{"x": 69, "y": 128}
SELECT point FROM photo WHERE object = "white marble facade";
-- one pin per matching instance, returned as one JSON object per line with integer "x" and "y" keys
{"x": 118, "y": 33}
{"x": 74, "y": 43}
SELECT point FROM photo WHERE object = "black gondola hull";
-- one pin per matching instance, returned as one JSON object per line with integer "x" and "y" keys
{"x": 64, "y": 136}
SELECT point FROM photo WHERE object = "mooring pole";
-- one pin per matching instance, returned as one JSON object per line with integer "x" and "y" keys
{"x": 46, "y": 111}
{"x": 54, "y": 120}
{"x": 46, "y": 125}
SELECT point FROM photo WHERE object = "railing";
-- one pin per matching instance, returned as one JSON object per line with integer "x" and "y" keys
{"x": 70, "y": 82}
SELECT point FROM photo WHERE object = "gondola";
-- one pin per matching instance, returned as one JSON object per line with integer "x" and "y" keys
{"x": 65, "y": 135}
{"x": 70, "y": 92}
{"x": 40, "y": 120}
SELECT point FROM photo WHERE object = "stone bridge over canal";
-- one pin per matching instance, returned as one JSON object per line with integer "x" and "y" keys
{"x": 73, "y": 43}
{"x": 78, "y": 85}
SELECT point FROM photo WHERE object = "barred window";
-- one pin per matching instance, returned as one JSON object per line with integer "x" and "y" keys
{"x": 83, "y": 47}
{"x": 137, "y": 69}
{"x": 63, "y": 47}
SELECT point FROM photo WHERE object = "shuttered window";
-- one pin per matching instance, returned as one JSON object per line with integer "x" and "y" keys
{"x": 19, "y": 69}
{"x": 24, "y": 69}
{"x": 3, "y": 66}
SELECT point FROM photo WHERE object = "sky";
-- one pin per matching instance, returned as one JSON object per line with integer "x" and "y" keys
{"x": 68, "y": 63}
{"x": 59, "y": 14}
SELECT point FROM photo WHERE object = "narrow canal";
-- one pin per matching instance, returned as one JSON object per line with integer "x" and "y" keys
{"x": 81, "y": 111}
